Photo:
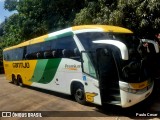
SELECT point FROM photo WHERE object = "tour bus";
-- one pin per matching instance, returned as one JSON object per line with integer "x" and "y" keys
{"x": 94, "y": 63}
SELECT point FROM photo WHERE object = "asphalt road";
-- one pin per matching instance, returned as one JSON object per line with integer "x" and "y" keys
{"x": 59, "y": 106}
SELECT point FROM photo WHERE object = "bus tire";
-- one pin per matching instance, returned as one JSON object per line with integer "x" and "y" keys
{"x": 20, "y": 82}
{"x": 14, "y": 80}
{"x": 79, "y": 94}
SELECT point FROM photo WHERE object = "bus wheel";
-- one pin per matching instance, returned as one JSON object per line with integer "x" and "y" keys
{"x": 79, "y": 95}
{"x": 20, "y": 81}
{"x": 14, "y": 80}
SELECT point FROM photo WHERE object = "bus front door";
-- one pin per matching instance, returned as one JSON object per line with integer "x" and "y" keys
{"x": 108, "y": 77}
{"x": 91, "y": 83}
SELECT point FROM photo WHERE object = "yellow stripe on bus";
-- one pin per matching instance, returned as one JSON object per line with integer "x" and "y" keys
{"x": 39, "y": 39}
{"x": 105, "y": 28}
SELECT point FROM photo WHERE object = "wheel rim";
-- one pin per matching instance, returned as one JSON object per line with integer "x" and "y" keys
{"x": 79, "y": 94}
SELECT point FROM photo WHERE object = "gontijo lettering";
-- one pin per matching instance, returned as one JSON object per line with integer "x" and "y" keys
{"x": 21, "y": 65}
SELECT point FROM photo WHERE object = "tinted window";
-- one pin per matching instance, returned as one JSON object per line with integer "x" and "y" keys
{"x": 127, "y": 38}
{"x": 13, "y": 55}
{"x": 18, "y": 54}
{"x": 33, "y": 51}
{"x": 66, "y": 48}
{"x": 58, "y": 48}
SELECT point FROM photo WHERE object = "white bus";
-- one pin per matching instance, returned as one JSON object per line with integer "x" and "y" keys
{"x": 94, "y": 63}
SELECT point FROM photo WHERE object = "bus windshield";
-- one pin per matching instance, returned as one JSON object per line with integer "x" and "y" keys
{"x": 129, "y": 70}
{"x": 127, "y": 38}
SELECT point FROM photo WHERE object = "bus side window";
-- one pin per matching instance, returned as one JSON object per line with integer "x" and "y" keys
{"x": 14, "y": 55}
{"x": 53, "y": 53}
{"x": 68, "y": 47}
{"x": 77, "y": 54}
{"x": 44, "y": 50}
{"x": 32, "y": 51}
{"x": 59, "y": 53}
{"x": 39, "y": 55}
{"x": 26, "y": 56}
{"x": 19, "y": 53}
{"x": 66, "y": 53}
{"x": 48, "y": 54}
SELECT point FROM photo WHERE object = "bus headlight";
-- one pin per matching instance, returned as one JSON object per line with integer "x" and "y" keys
{"x": 129, "y": 90}
{"x": 136, "y": 91}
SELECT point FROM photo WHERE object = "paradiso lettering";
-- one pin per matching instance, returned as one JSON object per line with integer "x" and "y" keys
{"x": 21, "y": 65}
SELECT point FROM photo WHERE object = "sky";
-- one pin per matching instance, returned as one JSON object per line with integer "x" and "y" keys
{"x": 4, "y": 13}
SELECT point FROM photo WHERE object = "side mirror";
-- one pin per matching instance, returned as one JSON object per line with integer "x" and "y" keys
{"x": 156, "y": 46}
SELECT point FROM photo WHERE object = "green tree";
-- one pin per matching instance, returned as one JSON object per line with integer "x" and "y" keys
{"x": 42, "y": 16}
{"x": 10, "y": 5}
{"x": 141, "y": 16}
{"x": 96, "y": 12}
{"x": 149, "y": 18}
{"x": 12, "y": 31}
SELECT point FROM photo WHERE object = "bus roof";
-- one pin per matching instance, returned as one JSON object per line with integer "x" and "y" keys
{"x": 71, "y": 30}
{"x": 105, "y": 28}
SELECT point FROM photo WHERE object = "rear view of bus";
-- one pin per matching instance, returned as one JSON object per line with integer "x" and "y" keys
{"x": 111, "y": 56}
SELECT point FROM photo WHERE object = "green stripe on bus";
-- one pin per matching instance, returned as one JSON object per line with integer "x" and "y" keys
{"x": 40, "y": 67}
{"x": 59, "y": 36}
{"x": 50, "y": 70}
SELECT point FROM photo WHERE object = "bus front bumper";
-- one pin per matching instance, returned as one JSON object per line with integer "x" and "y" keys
{"x": 129, "y": 99}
